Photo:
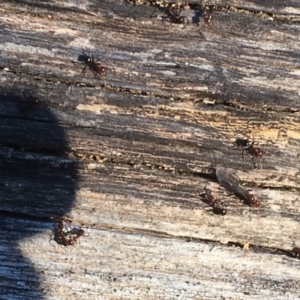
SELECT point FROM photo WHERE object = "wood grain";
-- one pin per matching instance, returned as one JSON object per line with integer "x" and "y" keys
{"x": 127, "y": 155}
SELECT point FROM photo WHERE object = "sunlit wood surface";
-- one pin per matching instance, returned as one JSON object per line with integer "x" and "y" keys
{"x": 127, "y": 155}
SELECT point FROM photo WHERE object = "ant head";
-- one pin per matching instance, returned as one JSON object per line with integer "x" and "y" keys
{"x": 71, "y": 242}
{"x": 207, "y": 18}
{"x": 219, "y": 211}
{"x": 80, "y": 232}
{"x": 255, "y": 203}
{"x": 102, "y": 70}
{"x": 223, "y": 212}
{"x": 296, "y": 252}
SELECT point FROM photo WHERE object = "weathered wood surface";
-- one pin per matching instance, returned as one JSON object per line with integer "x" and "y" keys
{"x": 125, "y": 155}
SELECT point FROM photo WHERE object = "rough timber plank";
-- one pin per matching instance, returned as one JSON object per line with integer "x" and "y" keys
{"x": 114, "y": 264}
{"x": 126, "y": 154}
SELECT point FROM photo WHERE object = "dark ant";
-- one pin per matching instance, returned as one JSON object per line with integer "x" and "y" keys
{"x": 213, "y": 202}
{"x": 226, "y": 178}
{"x": 254, "y": 151}
{"x": 241, "y": 142}
{"x": 89, "y": 62}
{"x": 67, "y": 234}
{"x": 173, "y": 15}
{"x": 232, "y": 184}
{"x": 296, "y": 252}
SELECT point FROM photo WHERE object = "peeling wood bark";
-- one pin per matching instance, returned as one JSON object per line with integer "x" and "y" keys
{"x": 127, "y": 155}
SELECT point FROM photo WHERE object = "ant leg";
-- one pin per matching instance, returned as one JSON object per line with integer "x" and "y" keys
{"x": 187, "y": 21}
{"x": 178, "y": 11}
{"x": 205, "y": 187}
{"x": 184, "y": 23}
{"x": 159, "y": 15}
{"x": 154, "y": 12}
{"x": 84, "y": 233}
{"x": 243, "y": 154}
{"x": 84, "y": 52}
{"x": 52, "y": 238}
{"x": 96, "y": 75}
{"x": 260, "y": 163}
{"x": 253, "y": 162}
{"x": 168, "y": 19}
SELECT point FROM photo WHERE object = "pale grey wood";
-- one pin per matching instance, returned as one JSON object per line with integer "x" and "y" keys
{"x": 109, "y": 264}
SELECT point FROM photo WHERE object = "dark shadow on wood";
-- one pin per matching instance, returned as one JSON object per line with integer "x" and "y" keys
{"x": 37, "y": 184}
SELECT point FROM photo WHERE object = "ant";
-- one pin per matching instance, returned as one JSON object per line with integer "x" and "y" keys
{"x": 67, "y": 234}
{"x": 254, "y": 151}
{"x": 89, "y": 62}
{"x": 72, "y": 240}
{"x": 207, "y": 18}
{"x": 296, "y": 252}
{"x": 173, "y": 15}
{"x": 232, "y": 184}
{"x": 213, "y": 202}
{"x": 250, "y": 199}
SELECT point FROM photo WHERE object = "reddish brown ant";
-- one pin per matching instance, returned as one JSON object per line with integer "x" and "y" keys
{"x": 67, "y": 234}
{"x": 89, "y": 62}
{"x": 251, "y": 201}
{"x": 213, "y": 202}
{"x": 253, "y": 151}
{"x": 207, "y": 18}
{"x": 72, "y": 240}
